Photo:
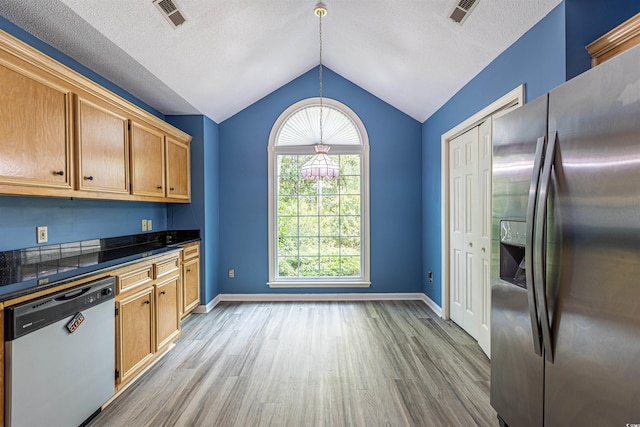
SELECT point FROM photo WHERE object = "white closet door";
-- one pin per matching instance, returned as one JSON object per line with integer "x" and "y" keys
{"x": 463, "y": 233}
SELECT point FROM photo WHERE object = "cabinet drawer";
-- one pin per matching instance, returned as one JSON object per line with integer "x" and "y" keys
{"x": 167, "y": 267}
{"x": 191, "y": 251}
{"x": 134, "y": 278}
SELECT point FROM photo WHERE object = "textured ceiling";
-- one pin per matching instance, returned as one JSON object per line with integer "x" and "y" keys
{"x": 231, "y": 53}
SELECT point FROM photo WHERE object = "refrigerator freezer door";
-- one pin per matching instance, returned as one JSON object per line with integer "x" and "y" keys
{"x": 517, "y": 373}
{"x": 594, "y": 277}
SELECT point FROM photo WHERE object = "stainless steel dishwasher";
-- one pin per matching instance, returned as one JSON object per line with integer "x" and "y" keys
{"x": 60, "y": 356}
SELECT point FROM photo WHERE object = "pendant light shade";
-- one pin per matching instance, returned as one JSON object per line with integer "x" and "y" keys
{"x": 320, "y": 166}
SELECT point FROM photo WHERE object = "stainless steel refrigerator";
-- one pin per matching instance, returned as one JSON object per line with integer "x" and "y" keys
{"x": 565, "y": 337}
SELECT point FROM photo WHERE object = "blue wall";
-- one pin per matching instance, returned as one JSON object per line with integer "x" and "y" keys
{"x": 537, "y": 59}
{"x": 72, "y": 220}
{"x": 552, "y": 52}
{"x": 203, "y": 212}
{"x": 587, "y": 20}
{"x": 395, "y": 152}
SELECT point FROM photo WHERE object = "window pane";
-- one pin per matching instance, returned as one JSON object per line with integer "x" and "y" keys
{"x": 350, "y": 265}
{"x": 329, "y": 205}
{"x": 350, "y": 246}
{"x": 350, "y": 164}
{"x": 288, "y": 165}
{"x": 308, "y": 205}
{"x": 309, "y": 246}
{"x": 287, "y": 246}
{"x": 350, "y": 205}
{"x": 287, "y": 205}
{"x": 308, "y": 226}
{"x": 350, "y": 185}
{"x": 330, "y": 266}
{"x": 288, "y": 185}
{"x": 350, "y": 226}
{"x": 330, "y": 246}
{"x": 309, "y": 266}
{"x": 329, "y": 226}
{"x": 330, "y": 186}
{"x": 287, "y": 266}
{"x": 288, "y": 226}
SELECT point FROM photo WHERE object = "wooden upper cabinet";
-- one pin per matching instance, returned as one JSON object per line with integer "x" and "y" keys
{"x": 35, "y": 134}
{"x": 102, "y": 147}
{"x": 178, "y": 169}
{"x": 147, "y": 161}
{"x": 622, "y": 38}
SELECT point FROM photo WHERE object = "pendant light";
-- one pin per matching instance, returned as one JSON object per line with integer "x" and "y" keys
{"x": 320, "y": 166}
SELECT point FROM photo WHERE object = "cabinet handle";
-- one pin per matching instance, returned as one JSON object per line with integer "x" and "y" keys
{"x": 89, "y": 178}
{"x": 159, "y": 187}
{"x": 59, "y": 173}
{"x": 147, "y": 302}
{"x": 162, "y": 292}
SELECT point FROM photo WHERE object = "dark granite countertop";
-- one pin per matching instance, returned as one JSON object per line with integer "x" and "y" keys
{"x": 24, "y": 271}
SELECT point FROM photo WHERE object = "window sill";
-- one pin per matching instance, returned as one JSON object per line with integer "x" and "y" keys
{"x": 318, "y": 284}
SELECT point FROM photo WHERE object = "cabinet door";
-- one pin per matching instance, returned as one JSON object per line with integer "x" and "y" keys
{"x": 191, "y": 285}
{"x": 103, "y": 148}
{"x": 178, "y": 170}
{"x": 167, "y": 317}
{"x": 34, "y": 123}
{"x": 147, "y": 161}
{"x": 136, "y": 344}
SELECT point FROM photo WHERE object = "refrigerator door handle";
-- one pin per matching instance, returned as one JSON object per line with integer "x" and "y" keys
{"x": 539, "y": 261}
{"x": 529, "y": 248}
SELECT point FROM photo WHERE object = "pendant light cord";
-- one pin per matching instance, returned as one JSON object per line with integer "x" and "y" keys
{"x": 320, "y": 31}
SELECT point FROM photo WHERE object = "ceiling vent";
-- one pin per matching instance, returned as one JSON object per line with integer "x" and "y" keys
{"x": 461, "y": 11}
{"x": 171, "y": 12}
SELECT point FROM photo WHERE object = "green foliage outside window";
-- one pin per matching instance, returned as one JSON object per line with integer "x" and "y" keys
{"x": 318, "y": 223}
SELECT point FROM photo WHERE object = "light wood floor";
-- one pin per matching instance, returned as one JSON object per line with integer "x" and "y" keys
{"x": 391, "y": 363}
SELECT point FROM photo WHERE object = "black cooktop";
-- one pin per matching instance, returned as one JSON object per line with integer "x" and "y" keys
{"x": 24, "y": 271}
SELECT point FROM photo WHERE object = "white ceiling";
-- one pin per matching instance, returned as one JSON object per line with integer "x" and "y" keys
{"x": 231, "y": 53}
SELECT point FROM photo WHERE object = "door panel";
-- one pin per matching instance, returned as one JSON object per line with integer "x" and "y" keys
{"x": 482, "y": 291}
{"x": 464, "y": 225}
{"x": 595, "y": 238}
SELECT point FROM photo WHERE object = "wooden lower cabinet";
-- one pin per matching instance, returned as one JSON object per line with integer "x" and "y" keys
{"x": 147, "y": 313}
{"x": 167, "y": 315}
{"x": 190, "y": 296}
{"x": 135, "y": 333}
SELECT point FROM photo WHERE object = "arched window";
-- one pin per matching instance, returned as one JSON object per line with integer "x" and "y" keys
{"x": 318, "y": 230}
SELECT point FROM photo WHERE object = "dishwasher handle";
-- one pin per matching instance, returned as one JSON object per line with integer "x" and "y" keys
{"x": 73, "y": 295}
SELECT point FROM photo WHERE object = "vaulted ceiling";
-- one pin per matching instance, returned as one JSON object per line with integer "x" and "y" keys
{"x": 230, "y": 53}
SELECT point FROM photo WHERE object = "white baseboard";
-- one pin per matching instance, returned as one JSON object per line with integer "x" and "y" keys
{"x": 432, "y": 305}
{"x": 202, "y": 309}
{"x": 321, "y": 297}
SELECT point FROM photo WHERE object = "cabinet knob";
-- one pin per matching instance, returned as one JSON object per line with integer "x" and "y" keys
{"x": 162, "y": 292}
{"x": 171, "y": 188}
{"x": 470, "y": 244}
{"x": 147, "y": 302}
{"x": 59, "y": 173}
{"x": 159, "y": 187}
{"x": 89, "y": 178}
{"x": 188, "y": 270}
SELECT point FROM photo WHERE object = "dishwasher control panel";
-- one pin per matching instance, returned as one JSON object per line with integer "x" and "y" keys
{"x": 30, "y": 316}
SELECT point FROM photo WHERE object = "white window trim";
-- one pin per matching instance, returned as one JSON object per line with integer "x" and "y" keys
{"x": 273, "y": 151}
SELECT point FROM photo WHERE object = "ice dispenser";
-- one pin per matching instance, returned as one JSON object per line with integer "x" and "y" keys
{"x": 513, "y": 236}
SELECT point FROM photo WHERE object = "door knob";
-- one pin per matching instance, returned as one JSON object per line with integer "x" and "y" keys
{"x": 484, "y": 250}
{"x": 470, "y": 244}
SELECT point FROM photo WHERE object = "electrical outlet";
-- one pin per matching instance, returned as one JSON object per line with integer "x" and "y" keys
{"x": 149, "y": 225}
{"x": 232, "y": 273}
{"x": 42, "y": 234}
{"x": 144, "y": 225}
